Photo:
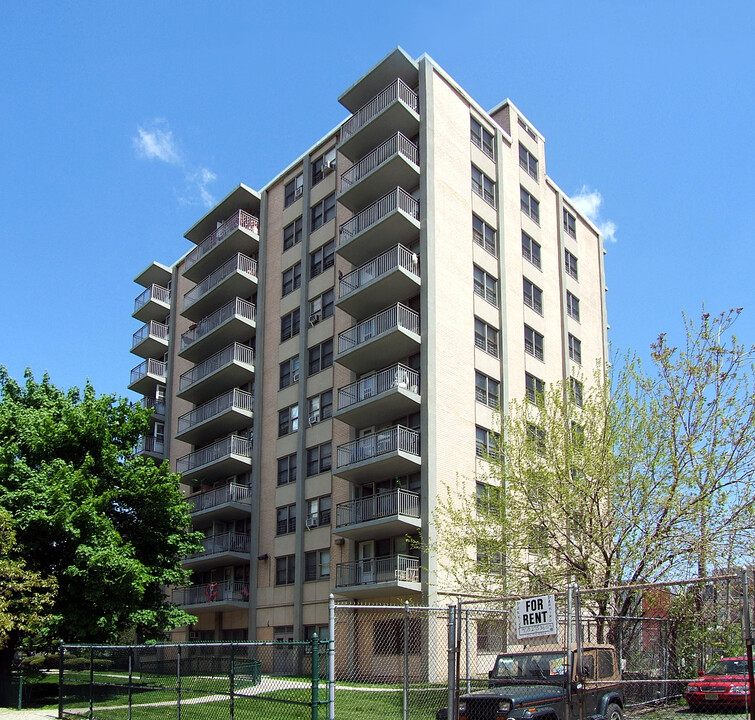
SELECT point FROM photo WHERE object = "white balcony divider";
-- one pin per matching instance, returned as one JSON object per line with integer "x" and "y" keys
{"x": 149, "y": 367}
{"x": 398, "y": 144}
{"x": 395, "y": 316}
{"x": 232, "y": 492}
{"x": 235, "y": 352}
{"x": 150, "y": 329}
{"x": 240, "y": 219}
{"x": 150, "y": 444}
{"x": 397, "y": 199}
{"x": 212, "y": 592}
{"x": 391, "y": 259}
{"x": 235, "y": 398}
{"x": 396, "y": 91}
{"x": 206, "y": 325}
{"x": 153, "y": 292}
{"x": 375, "y": 507}
{"x": 373, "y": 385}
{"x": 224, "y": 542}
{"x": 239, "y": 263}
{"x": 379, "y": 443}
{"x": 233, "y": 445}
{"x": 378, "y": 570}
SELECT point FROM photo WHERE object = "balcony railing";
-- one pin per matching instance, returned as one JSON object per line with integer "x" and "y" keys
{"x": 398, "y": 256}
{"x": 219, "y": 496}
{"x": 397, "y": 90}
{"x": 241, "y": 219}
{"x": 233, "y": 353}
{"x": 396, "y": 316}
{"x": 227, "y": 446}
{"x": 397, "y": 199}
{"x": 240, "y": 263}
{"x": 378, "y": 570}
{"x": 236, "y": 307}
{"x": 212, "y": 592}
{"x": 153, "y": 404}
{"x": 153, "y": 292}
{"x": 224, "y": 542}
{"x": 382, "y": 442}
{"x": 149, "y": 367}
{"x": 375, "y": 507}
{"x": 150, "y": 329}
{"x": 150, "y": 444}
{"x": 236, "y": 399}
{"x": 392, "y": 377}
{"x": 398, "y": 144}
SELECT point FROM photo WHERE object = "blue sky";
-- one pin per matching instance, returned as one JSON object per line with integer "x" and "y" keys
{"x": 121, "y": 121}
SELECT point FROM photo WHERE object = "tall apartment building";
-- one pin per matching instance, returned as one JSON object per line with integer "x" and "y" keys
{"x": 330, "y": 354}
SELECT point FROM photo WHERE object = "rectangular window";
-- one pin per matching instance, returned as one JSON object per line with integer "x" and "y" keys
{"x": 322, "y": 259}
{"x": 486, "y": 337}
{"x": 572, "y": 306}
{"x": 536, "y": 435}
{"x": 285, "y": 520}
{"x": 291, "y": 279}
{"x": 321, "y": 307}
{"x": 575, "y": 349}
{"x": 484, "y": 235}
{"x": 534, "y": 388}
{"x": 318, "y": 511}
{"x": 570, "y": 263}
{"x": 483, "y": 186}
{"x": 486, "y": 286}
{"x": 287, "y": 469}
{"x": 527, "y": 129}
{"x": 570, "y": 224}
{"x": 576, "y": 391}
{"x": 285, "y": 570}
{"x": 388, "y": 636}
{"x": 320, "y": 357}
{"x": 533, "y": 296}
{"x": 288, "y": 420}
{"x": 530, "y": 206}
{"x": 320, "y": 407}
{"x": 289, "y": 372}
{"x": 534, "y": 343}
{"x": 293, "y": 190}
{"x": 530, "y": 250}
{"x": 491, "y": 635}
{"x": 487, "y": 390}
{"x": 486, "y": 443}
{"x": 319, "y": 459}
{"x": 322, "y": 212}
{"x": 482, "y": 138}
{"x": 324, "y": 165}
{"x": 527, "y": 161}
{"x": 292, "y": 234}
{"x": 290, "y": 325}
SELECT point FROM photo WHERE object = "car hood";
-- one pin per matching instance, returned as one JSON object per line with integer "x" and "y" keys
{"x": 718, "y": 679}
{"x": 519, "y": 693}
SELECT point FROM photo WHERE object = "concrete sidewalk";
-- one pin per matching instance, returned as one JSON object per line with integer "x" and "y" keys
{"x": 7, "y": 714}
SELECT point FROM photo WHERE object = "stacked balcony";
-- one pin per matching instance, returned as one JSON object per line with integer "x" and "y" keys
{"x": 156, "y": 405}
{"x": 227, "y": 412}
{"x": 234, "y": 321}
{"x": 229, "y": 456}
{"x": 386, "y": 453}
{"x": 150, "y": 340}
{"x": 146, "y": 376}
{"x": 229, "y": 502}
{"x": 382, "y": 515}
{"x": 376, "y": 577}
{"x": 231, "y": 366}
{"x": 237, "y": 277}
{"x": 226, "y": 548}
{"x": 152, "y": 304}
{"x": 150, "y": 446}
{"x": 221, "y": 596}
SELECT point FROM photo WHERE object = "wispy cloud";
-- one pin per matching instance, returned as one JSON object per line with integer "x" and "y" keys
{"x": 589, "y": 203}
{"x": 197, "y": 183}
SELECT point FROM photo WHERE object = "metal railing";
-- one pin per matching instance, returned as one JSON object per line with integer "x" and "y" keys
{"x": 149, "y": 367}
{"x": 375, "y": 507}
{"x": 240, "y": 219}
{"x": 238, "y": 263}
{"x": 391, "y": 259}
{"x": 382, "y": 381}
{"x": 378, "y": 570}
{"x": 397, "y": 199}
{"x": 224, "y": 542}
{"x": 233, "y": 492}
{"x": 153, "y": 292}
{"x": 235, "y": 398}
{"x": 150, "y": 329}
{"x": 150, "y": 444}
{"x": 395, "y": 316}
{"x": 233, "y": 445}
{"x": 153, "y": 404}
{"x": 206, "y": 325}
{"x": 398, "y": 144}
{"x": 379, "y": 443}
{"x": 235, "y": 352}
{"x": 395, "y": 92}
{"x": 211, "y": 592}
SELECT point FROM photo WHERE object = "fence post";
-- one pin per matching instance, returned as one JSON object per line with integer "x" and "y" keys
{"x": 232, "y": 678}
{"x": 130, "y": 679}
{"x": 453, "y": 706}
{"x": 315, "y": 675}
{"x": 747, "y": 634}
{"x": 91, "y": 682}
{"x": 406, "y": 660}
{"x": 60, "y": 679}
{"x": 468, "y": 668}
{"x": 331, "y": 658}
{"x": 178, "y": 683}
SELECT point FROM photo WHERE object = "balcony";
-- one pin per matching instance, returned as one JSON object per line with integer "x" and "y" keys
{"x": 235, "y": 278}
{"x": 231, "y": 502}
{"x": 230, "y": 411}
{"x": 392, "y": 219}
{"x": 236, "y": 320}
{"x": 152, "y": 304}
{"x": 379, "y": 516}
{"x": 232, "y": 366}
{"x": 375, "y": 399}
{"x": 151, "y": 446}
{"x": 146, "y": 376}
{"x": 376, "y": 577}
{"x": 150, "y": 340}
{"x": 396, "y": 108}
{"x": 390, "y": 334}
{"x": 230, "y": 548}
{"x": 394, "y": 163}
{"x": 385, "y": 453}
{"x": 158, "y": 406}
{"x": 218, "y": 596}
{"x": 226, "y": 457}
{"x": 240, "y": 233}
{"x": 391, "y": 276}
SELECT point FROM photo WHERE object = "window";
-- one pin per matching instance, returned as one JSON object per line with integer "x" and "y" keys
{"x": 530, "y": 206}
{"x": 322, "y": 212}
{"x": 575, "y": 349}
{"x": 487, "y": 390}
{"x": 291, "y": 279}
{"x": 292, "y": 234}
{"x": 488, "y": 499}
{"x": 484, "y": 235}
{"x": 322, "y": 259}
{"x": 572, "y": 306}
{"x": 290, "y": 325}
{"x": 287, "y": 469}
{"x": 319, "y": 459}
{"x": 536, "y": 435}
{"x": 324, "y": 165}
{"x": 527, "y": 161}
{"x": 321, "y": 307}
{"x": 320, "y": 357}
{"x": 320, "y": 407}
{"x": 318, "y": 512}
{"x": 288, "y": 420}
{"x": 482, "y": 138}
{"x": 483, "y": 186}
{"x": 388, "y": 636}
{"x": 486, "y": 337}
{"x": 534, "y": 389}
{"x": 285, "y": 520}
{"x": 317, "y": 566}
{"x": 293, "y": 190}
{"x": 570, "y": 224}
{"x": 530, "y": 250}
{"x": 289, "y": 372}
{"x": 486, "y": 443}
{"x": 570, "y": 263}
{"x": 576, "y": 391}
{"x": 578, "y": 440}
{"x": 491, "y": 635}
{"x": 533, "y": 296}
{"x": 323, "y": 631}
{"x": 533, "y": 343}
{"x": 486, "y": 286}
{"x": 527, "y": 129}
{"x": 285, "y": 570}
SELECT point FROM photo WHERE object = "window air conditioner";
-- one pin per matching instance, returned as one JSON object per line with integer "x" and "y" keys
{"x": 314, "y": 418}
{"x": 315, "y": 318}
{"x": 298, "y": 191}
{"x": 313, "y": 521}
{"x": 328, "y": 166}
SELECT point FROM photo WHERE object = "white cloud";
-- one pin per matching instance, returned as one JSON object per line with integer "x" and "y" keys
{"x": 201, "y": 179}
{"x": 589, "y": 202}
{"x": 155, "y": 142}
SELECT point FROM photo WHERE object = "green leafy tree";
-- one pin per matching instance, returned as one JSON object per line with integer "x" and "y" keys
{"x": 105, "y": 528}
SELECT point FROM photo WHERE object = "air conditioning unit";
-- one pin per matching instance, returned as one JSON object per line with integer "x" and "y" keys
{"x": 315, "y": 318}
{"x": 313, "y": 521}
{"x": 295, "y": 376}
{"x": 314, "y": 418}
{"x": 298, "y": 191}
{"x": 328, "y": 166}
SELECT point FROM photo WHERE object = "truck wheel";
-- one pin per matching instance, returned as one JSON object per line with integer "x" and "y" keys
{"x": 614, "y": 712}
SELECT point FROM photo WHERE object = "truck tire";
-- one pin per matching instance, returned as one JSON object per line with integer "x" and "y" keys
{"x": 614, "y": 712}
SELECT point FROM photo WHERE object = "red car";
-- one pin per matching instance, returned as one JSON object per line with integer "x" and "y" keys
{"x": 724, "y": 685}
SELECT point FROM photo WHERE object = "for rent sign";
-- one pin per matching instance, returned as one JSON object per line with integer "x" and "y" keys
{"x": 536, "y": 617}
